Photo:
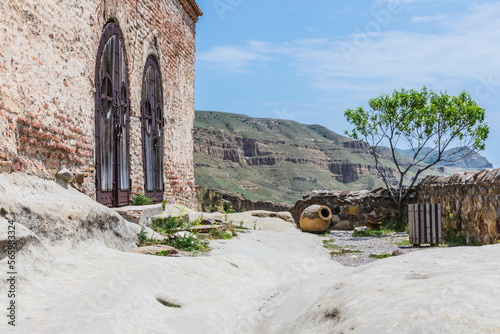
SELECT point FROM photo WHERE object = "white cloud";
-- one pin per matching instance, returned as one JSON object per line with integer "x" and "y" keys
{"x": 466, "y": 50}
{"x": 430, "y": 19}
{"x": 233, "y": 58}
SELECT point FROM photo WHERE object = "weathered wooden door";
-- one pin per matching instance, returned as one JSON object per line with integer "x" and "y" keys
{"x": 112, "y": 120}
{"x": 152, "y": 130}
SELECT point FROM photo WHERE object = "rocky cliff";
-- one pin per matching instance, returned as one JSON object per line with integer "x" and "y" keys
{"x": 280, "y": 160}
{"x": 269, "y": 159}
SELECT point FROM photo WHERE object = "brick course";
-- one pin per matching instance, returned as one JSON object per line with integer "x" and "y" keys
{"x": 47, "y": 69}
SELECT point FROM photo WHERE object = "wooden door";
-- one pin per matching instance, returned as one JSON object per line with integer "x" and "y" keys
{"x": 152, "y": 130}
{"x": 112, "y": 120}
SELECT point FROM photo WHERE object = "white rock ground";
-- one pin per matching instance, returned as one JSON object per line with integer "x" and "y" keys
{"x": 271, "y": 280}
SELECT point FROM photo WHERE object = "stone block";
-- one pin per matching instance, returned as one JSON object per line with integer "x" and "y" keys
{"x": 343, "y": 225}
{"x": 335, "y": 219}
{"x": 5, "y": 166}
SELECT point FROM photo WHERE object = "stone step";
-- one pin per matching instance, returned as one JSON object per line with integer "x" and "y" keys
{"x": 139, "y": 214}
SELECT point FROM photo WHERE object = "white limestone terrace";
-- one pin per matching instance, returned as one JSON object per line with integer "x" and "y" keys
{"x": 274, "y": 279}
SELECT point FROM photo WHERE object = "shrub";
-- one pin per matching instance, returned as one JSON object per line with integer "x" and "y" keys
{"x": 220, "y": 234}
{"x": 142, "y": 237}
{"x": 227, "y": 208}
{"x": 141, "y": 199}
{"x": 170, "y": 224}
{"x": 187, "y": 243}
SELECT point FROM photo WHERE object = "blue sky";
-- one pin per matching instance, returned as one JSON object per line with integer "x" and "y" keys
{"x": 290, "y": 59}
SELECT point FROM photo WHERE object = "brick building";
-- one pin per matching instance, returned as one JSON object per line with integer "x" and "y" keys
{"x": 103, "y": 87}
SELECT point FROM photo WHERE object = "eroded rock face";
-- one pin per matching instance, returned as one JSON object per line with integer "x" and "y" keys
{"x": 56, "y": 213}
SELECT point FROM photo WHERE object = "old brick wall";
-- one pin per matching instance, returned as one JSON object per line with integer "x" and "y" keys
{"x": 47, "y": 69}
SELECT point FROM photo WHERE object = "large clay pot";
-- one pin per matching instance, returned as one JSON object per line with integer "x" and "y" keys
{"x": 315, "y": 218}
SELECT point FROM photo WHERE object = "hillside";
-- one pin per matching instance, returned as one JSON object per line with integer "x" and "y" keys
{"x": 472, "y": 161}
{"x": 279, "y": 160}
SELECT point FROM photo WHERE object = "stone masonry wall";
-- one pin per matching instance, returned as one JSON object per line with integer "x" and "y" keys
{"x": 47, "y": 69}
{"x": 470, "y": 203}
{"x": 350, "y": 208}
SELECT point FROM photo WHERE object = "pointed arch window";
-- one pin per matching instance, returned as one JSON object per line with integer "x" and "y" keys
{"x": 152, "y": 130}
{"x": 112, "y": 120}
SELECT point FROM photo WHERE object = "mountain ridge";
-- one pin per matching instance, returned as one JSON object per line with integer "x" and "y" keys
{"x": 280, "y": 160}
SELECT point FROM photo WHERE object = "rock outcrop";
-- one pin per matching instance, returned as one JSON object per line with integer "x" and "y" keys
{"x": 55, "y": 212}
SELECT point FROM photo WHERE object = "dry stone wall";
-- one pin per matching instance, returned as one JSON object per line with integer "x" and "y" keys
{"x": 470, "y": 203}
{"x": 350, "y": 208}
{"x": 47, "y": 69}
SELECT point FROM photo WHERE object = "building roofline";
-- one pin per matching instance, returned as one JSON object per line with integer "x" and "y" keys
{"x": 192, "y": 8}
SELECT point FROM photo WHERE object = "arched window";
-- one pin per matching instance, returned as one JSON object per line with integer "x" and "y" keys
{"x": 152, "y": 130}
{"x": 112, "y": 120}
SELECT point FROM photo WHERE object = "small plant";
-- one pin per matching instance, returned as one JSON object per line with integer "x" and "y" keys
{"x": 371, "y": 233}
{"x": 380, "y": 256}
{"x": 163, "y": 205}
{"x": 162, "y": 253}
{"x": 220, "y": 234}
{"x": 141, "y": 199}
{"x": 337, "y": 253}
{"x": 344, "y": 251}
{"x": 404, "y": 242}
{"x": 170, "y": 224}
{"x": 187, "y": 243}
{"x": 227, "y": 208}
{"x": 329, "y": 244}
{"x": 142, "y": 237}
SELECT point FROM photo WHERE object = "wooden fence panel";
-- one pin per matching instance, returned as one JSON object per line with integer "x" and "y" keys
{"x": 424, "y": 224}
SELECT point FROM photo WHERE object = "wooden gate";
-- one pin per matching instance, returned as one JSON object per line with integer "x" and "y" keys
{"x": 424, "y": 224}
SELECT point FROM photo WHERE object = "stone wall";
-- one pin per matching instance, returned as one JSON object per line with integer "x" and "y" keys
{"x": 350, "y": 208}
{"x": 47, "y": 69}
{"x": 470, "y": 203}
{"x": 212, "y": 200}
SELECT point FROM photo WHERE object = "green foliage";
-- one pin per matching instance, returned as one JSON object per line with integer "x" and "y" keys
{"x": 390, "y": 223}
{"x": 220, "y": 234}
{"x": 329, "y": 244}
{"x": 380, "y": 256}
{"x": 452, "y": 234}
{"x": 163, "y": 205}
{"x": 187, "y": 243}
{"x": 141, "y": 199}
{"x": 170, "y": 224}
{"x": 404, "y": 242}
{"x": 162, "y": 253}
{"x": 142, "y": 237}
{"x": 345, "y": 251}
{"x": 371, "y": 233}
{"x": 227, "y": 208}
{"x": 426, "y": 122}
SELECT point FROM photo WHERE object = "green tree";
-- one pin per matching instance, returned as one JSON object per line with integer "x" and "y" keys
{"x": 426, "y": 122}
